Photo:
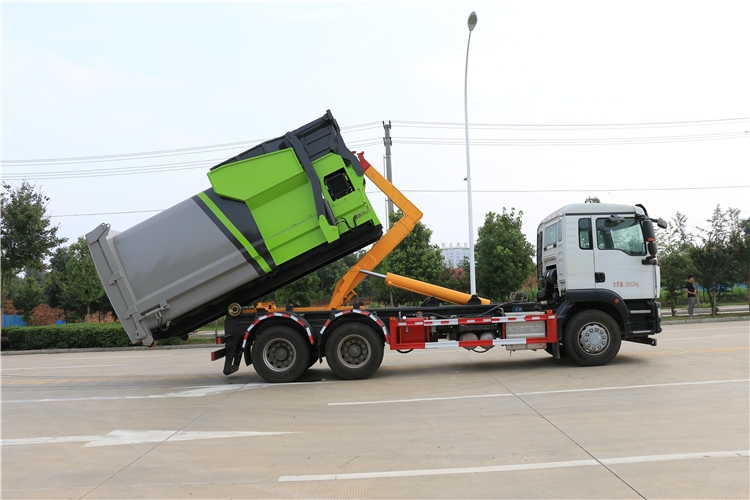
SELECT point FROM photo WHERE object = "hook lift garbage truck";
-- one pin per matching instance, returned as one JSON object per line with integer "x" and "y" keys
{"x": 293, "y": 204}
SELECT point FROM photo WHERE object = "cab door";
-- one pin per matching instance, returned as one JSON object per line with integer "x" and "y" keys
{"x": 579, "y": 239}
{"x": 618, "y": 254}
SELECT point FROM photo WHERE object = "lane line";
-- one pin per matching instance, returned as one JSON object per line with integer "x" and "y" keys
{"x": 686, "y": 351}
{"x": 61, "y": 367}
{"x": 675, "y": 456}
{"x": 416, "y": 400}
{"x": 190, "y": 393}
{"x": 534, "y": 393}
{"x": 696, "y": 330}
{"x": 122, "y": 437}
{"x": 516, "y": 467}
{"x": 707, "y": 338}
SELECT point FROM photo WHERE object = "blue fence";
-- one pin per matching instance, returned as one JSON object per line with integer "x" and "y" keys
{"x": 13, "y": 320}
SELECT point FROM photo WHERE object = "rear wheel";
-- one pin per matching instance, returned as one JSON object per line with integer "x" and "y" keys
{"x": 592, "y": 338}
{"x": 280, "y": 354}
{"x": 354, "y": 351}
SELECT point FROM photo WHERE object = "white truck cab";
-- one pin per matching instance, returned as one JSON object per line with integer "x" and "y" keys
{"x": 597, "y": 268}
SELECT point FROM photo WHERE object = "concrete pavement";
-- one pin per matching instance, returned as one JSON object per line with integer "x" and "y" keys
{"x": 658, "y": 422}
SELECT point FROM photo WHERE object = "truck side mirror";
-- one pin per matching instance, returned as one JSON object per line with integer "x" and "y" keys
{"x": 661, "y": 223}
{"x": 648, "y": 230}
{"x": 649, "y": 236}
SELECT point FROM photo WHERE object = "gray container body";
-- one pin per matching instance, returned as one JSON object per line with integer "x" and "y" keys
{"x": 166, "y": 266}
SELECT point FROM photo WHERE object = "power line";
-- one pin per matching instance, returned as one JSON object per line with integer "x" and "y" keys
{"x": 445, "y": 141}
{"x": 451, "y": 191}
{"x": 434, "y": 141}
{"x": 586, "y": 190}
{"x": 363, "y": 127}
{"x": 570, "y": 126}
{"x": 143, "y": 169}
{"x": 164, "y": 152}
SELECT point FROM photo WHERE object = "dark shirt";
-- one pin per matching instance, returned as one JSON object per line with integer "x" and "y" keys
{"x": 690, "y": 289}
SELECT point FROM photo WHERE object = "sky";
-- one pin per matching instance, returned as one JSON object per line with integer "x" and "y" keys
{"x": 631, "y": 102}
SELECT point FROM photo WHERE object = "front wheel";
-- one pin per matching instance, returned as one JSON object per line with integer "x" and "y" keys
{"x": 354, "y": 351}
{"x": 280, "y": 354}
{"x": 592, "y": 338}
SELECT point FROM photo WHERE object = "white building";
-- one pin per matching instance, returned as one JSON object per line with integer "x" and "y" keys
{"x": 454, "y": 254}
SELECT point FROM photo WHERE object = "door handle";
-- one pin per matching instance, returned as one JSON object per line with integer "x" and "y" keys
{"x": 599, "y": 278}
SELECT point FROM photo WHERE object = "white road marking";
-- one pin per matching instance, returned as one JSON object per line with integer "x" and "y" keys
{"x": 516, "y": 467}
{"x": 592, "y": 389}
{"x": 190, "y": 393}
{"x": 415, "y": 400}
{"x": 120, "y": 437}
{"x": 704, "y": 338}
{"x": 61, "y": 367}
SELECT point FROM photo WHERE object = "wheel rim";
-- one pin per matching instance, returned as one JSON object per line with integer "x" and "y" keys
{"x": 279, "y": 355}
{"x": 593, "y": 338}
{"x": 353, "y": 351}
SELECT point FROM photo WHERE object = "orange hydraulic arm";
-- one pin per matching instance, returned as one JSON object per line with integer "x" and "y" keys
{"x": 416, "y": 286}
{"x": 344, "y": 290}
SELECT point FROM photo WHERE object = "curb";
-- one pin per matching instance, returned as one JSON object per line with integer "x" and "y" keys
{"x": 107, "y": 349}
{"x": 702, "y": 320}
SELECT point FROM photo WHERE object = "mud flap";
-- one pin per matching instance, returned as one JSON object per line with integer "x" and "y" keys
{"x": 233, "y": 349}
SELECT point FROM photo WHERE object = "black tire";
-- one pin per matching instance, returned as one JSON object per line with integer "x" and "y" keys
{"x": 354, "y": 351}
{"x": 280, "y": 354}
{"x": 592, "y": 338}
{"x": 313, "y": 359}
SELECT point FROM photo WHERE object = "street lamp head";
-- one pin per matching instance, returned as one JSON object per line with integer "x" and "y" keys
{"x": 472, "y": 21}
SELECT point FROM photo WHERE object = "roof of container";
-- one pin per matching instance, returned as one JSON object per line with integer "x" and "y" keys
{"x": 593, "y": 209}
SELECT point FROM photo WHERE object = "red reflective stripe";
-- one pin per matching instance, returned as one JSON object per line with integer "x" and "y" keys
{"x": 415, "y": 345}
{"x": 475, "y": 343}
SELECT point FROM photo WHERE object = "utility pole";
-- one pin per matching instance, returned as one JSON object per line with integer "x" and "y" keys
{"x": 388, "y": 174}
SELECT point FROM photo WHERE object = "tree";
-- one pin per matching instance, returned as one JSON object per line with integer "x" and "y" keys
{"x": 28, "y": 236}
{"x": 503, "y": 256}
{"x": 57, "y": 283}
{"x": 414, "y": 258}
{"x": 84, "y": 288}
{"x": 26, "y": 298}
{"x": 714, "y": 263}
{"x": 592, "y": 199}
{"x": 739, "y": 244}
{"x": 303, "y": 292}
{"x": 458, "y": 278}
{"x": 675, "y": 260}
{"x": 333, "y": 272}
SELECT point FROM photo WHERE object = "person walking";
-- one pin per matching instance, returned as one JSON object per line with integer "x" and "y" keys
{"x": 690, "y": 289}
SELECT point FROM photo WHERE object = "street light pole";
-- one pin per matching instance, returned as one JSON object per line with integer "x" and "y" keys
{"x": 472, "y": 22}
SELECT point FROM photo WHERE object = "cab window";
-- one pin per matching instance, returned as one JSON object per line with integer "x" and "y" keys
{"x": 584, "y": 234}
{"x": 626, "y": 236}
{"x": 550, "y": 235}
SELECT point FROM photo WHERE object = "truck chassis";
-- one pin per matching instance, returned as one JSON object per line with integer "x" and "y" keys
{"x": 282, "y": 344}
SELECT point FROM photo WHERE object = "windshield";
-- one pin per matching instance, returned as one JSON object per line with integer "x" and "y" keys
{"x": 626, "y": 236}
